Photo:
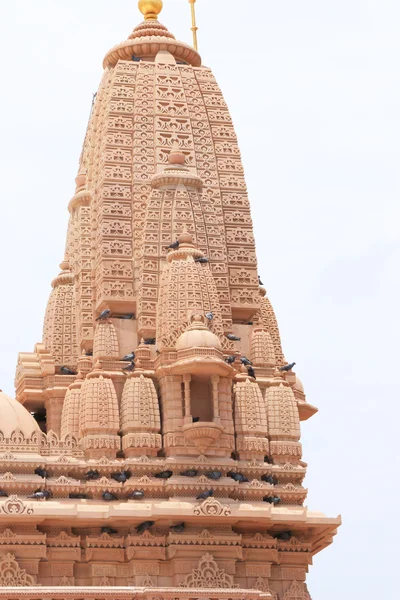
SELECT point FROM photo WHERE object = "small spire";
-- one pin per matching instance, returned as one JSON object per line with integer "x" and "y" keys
{"x": 150, "y": 9}
{"x": 194, "y": 27}
{"x": 176, "y": 157}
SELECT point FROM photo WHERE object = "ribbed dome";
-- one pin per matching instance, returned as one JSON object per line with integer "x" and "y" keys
{"x": 198, "y": 335}
{"x": 14, "y": 416}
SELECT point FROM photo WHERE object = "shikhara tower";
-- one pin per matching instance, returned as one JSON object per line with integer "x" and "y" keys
{"x": 160, "y": 164}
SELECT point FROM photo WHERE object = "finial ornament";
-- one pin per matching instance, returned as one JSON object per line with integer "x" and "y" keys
{"x": 150, "y": 9}
{"x": 194, "y": 25}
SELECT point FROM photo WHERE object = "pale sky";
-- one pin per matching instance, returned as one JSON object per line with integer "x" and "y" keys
{"x": 314, "y": 90}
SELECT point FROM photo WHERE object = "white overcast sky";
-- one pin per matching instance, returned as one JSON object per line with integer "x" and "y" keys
{"x": 313, "y": 87}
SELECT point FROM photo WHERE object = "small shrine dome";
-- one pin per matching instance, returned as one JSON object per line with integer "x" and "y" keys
{"x": 197, "y": 335}
{"x": 299, "y": 385}
{"x": 15, "y": 416}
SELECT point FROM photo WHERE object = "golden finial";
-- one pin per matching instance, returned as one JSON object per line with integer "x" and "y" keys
{"x": 150, "y": 9}
{"x": 194, "y": 26}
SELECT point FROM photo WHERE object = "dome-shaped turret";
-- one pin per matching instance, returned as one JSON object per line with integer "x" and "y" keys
{"x": 197, "y": 335}
{"x": 15, "y": 416}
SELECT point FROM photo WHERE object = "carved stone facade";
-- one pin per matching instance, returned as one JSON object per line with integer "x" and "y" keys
{"x": 154, "y": 447}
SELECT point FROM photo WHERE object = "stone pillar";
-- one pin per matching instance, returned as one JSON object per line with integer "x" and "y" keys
{"x": 188, "y": 410}
{"x": 54, "y": 406}
{"x": 215, "y": 382}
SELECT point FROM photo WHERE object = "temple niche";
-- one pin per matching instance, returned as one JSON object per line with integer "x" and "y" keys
{"x": 153, "y": 448}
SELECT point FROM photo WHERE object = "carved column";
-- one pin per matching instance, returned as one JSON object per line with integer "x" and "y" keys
{"x": 188, "y": 411}
{"x": 215, "y": 382}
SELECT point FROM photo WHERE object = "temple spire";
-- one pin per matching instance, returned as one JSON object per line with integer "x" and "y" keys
{"x": 150, "y": 9}
{"x": 194, "y": 27}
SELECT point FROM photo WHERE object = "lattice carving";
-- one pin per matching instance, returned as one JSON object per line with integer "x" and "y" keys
{"x": 105, "y": 341}
{"x": 262, "y": 348}
{"x": 71, "y": 410}
{"x": 11, "y": 574}
{"x": 297, "y": 591}
{"x": 208, "y": 575}
{"x": 283, "y": 415}
{"x": 270, "y": 324}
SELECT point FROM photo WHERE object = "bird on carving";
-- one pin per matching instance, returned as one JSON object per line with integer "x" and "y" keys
{"x": 92, "y": 475}
{"x": 136, "y": 495}
{"x": 245, "y": 361}
{"x": 164, "y": 475}
{"x": 108, "y": 530}
{"x": 195, "y": 419}
{"x": 67, "y": 371}
{"x": 104, "y": 315}
{"x": 214, "y": 475}
{"x": 42, "y": 473}
{"x": 174, "y": 245}
{"x": 284, "y": 536}
{"x": 3, "y": 494}
{"x": 251, "y": 372}
{"x": 272, "y": 500}
{"x": 209, "y": 316}
{"x": 269, "y": 460}
{"x": 233, "y": 338}
{"x": 202, "y": 260}
{"x": 89, "y": 353}
{"x": 109, "y": 497}
{"x": 129, "y": 357}
{"x": 78, "y": 496}
{"x": 145, "y": 526}
{"x": 121, "y": 476}
{"x": 259, "y": 281}
{"x": 129, "y": 368}
{"x": 269, "y": 479}
{"x": 239, "y": 477}
{"x": 150, "y": 342}
{"x": 40, "y": 495}
{"x": 205, "y": 495}
{"x": 179, "y": 528}
{"x": 231, "y": 359}
{"x": 189, "y": 473}
{"x": 287, "y": 368}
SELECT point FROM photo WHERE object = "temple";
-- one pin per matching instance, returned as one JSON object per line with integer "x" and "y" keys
{"x": 153, "y": 448}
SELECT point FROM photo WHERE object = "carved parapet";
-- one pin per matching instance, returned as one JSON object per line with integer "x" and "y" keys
{"x": 17, "y": 441}
{"x": 135, "y": 444}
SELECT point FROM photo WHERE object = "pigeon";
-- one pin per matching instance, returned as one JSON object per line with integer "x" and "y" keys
{"x": 233, "y": 338}
{"x": 272, "y": 499}
{"x": 285, "y": 536}
{"x": 251, "y": 372}
{"x": 214, "y": 475}
{"x": 92, "y": 475}
{"x": 136, "y": 495}
{"x": 209, "y": 316}
{"x": 144, "y": 526}
{"x": 109, "y": 497}
{"x": 205, "y": 495}
{"x": 259, "y": 281}
{"x": 203, "y": 260}
{"x": 269, "y": 460}
{"x": 179, "y": 528}
{"x": 3, "y": 494}
{"x": 104, "y": 315}
{"x": 89, "y": 353}
{"x": 230, "y": 360}
{"x": 40, "y": 495}
{"x": 195, "y": 419}
{"x": 42, "y": 473}
{"x": 189, "y": 473}
{"x": 129, "y": 368}
{"x": 245, "y": 361}
{"x": 150, "y": 342}
{"x": 287, "y": 368}
{"x": 108, "y": 530}
{"x": 239, "y": 477}
{"x": 174, "y": 245}
{"x": 78, "y": 496}
{"x": 164, "y": 475}
{"x": 66, "y": 371}
{"x": 268, "y": 479}
{"x": 128, "y": 317}
{"x": 130, "y": 357}
{"x": 122, "y": 476}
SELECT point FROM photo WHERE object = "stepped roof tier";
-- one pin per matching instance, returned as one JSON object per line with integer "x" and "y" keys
{"x": 153, "y": 449}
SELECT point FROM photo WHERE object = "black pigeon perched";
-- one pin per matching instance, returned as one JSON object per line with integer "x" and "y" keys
{"x": 3, "y": 494}
{"x": 203, "y": 260}
{"x": 66, "y": 371}
{"x": 89, "y": 353}
{"x": 214, "y": 475}
{"x": 209, "y": 316}
{"x": 40, "y": 495}
{"x": 164, "y": 475}
{"x": 189, "y": 473}
{"x": 285, "y": 536}
{"x": 104, "y": 315}
{"x": 42, "y": 473}
{"x": 108, "y": 530}
{"x": 195, "y": 419}
{"x": 287, "y": 368}
{"x": 267, "y": 479}
{"x": 174, "y": 245}
{"x": 129, "y": 357}
{"x": 121, "y": 476}
{"x": 205, "y": 495}
{"x": 269, "y": 460}
{"x": 251, "y": 372}
{"x": 230, "y": 360}
{"x": 245, "y": 361}
{"x": 144, "y": 526}
{"x": 109, "y": 497}
{"x": 150, "y": 342}
{"x": 233, "y": 338}
{"x": 259, "y": 281}
{"x": 92, "y": 475}
{"x": 129, "y": 368}
{"x": 136, "y": 495}
{"x": 179, "y": 528}
{"x": 128, "y": 317}
{"x": 239, "y": 477}
{"x": 272, "y": 499}
{"x": 78, "y": 496}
